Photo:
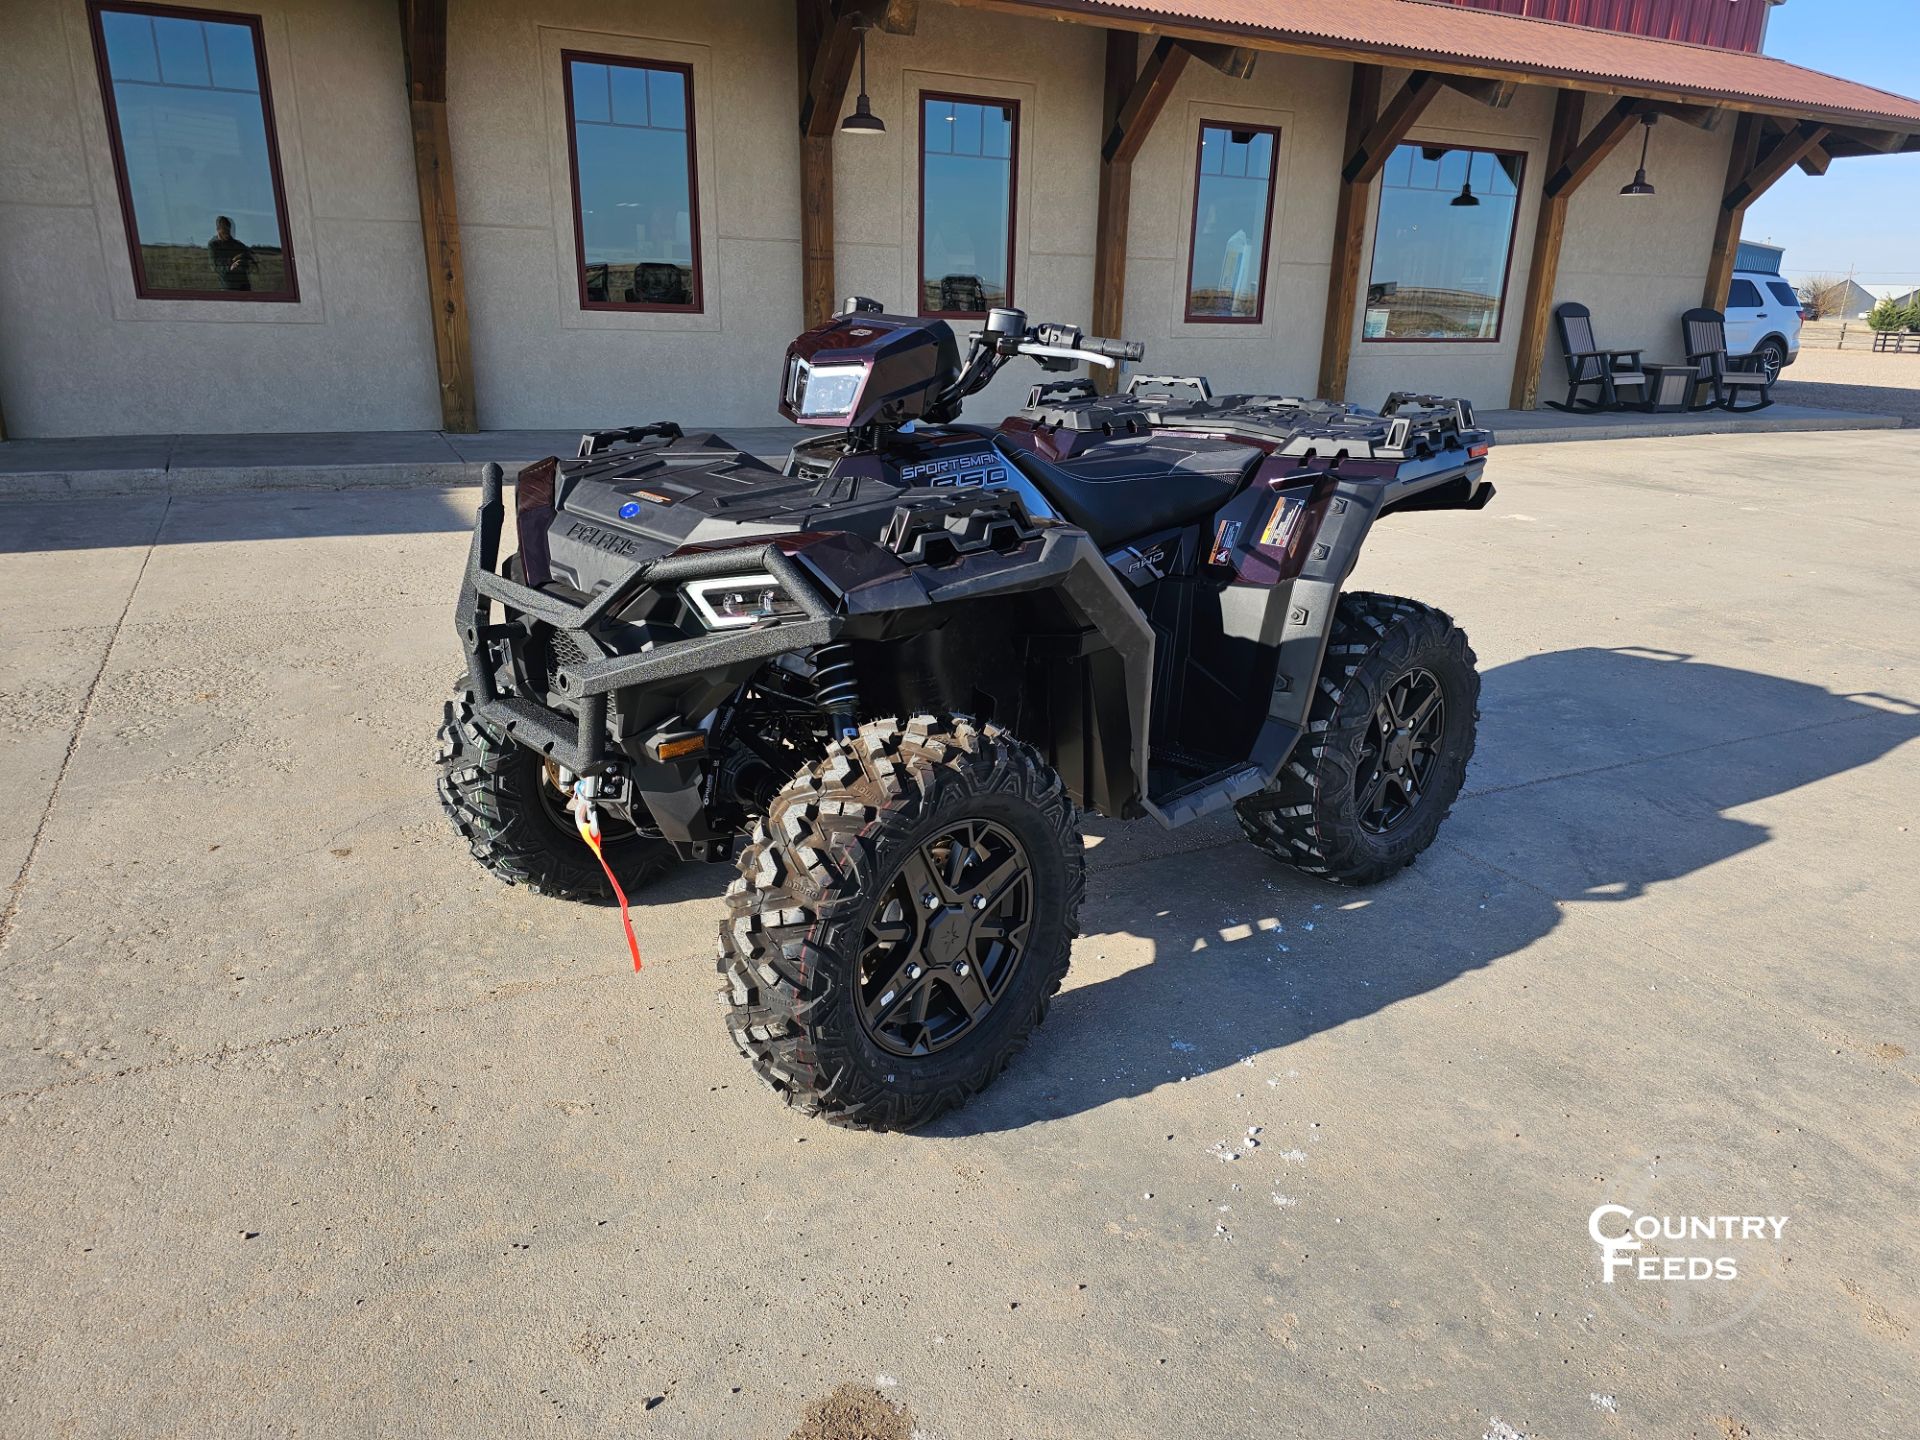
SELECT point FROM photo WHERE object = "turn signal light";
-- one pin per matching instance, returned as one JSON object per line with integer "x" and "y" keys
{"x": 671, "y": 745}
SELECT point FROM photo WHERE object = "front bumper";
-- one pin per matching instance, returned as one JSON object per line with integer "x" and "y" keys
{"x": 579, "y": 739}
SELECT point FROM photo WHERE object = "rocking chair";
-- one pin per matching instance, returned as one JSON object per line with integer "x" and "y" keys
{"x": 1608, "y": 371}
{"x": 1706, "y": 337}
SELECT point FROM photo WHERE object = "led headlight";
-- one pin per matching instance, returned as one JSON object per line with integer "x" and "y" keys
{"x": 819, "y": 392}
{"x": 736, "y": 600}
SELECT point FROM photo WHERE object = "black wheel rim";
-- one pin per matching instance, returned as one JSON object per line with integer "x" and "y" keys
{"x": 946, "y": 938}
{"x": 1402, "y": 746}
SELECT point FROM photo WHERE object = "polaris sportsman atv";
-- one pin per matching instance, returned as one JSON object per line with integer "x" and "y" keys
{"x": 887, "y": 677}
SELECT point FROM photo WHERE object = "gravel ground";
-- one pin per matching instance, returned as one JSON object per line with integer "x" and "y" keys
{"x": 1854, "y": 380}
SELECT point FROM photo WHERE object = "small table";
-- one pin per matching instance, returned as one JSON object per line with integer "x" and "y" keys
{"x": 1670, "y": 387}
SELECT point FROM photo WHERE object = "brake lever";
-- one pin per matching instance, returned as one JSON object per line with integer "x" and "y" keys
{"x": 1063, "y": 352}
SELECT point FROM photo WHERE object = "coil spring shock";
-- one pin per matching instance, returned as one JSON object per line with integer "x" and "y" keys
{"x": 836, "y": 685}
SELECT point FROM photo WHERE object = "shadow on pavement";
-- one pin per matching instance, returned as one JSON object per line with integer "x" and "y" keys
{"x": 1249, "y": 957}
{"x": 1901, "y": 400}
{"x": 118, "y": 521}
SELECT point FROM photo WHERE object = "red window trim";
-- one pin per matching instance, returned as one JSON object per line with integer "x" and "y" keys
{"x": 1013, "y": 201}
{"x": 632, "y": 62}
{"x": 1266, "y": 234}
{"x": 129, "y": 224}
{"x": 1506, "y": 275}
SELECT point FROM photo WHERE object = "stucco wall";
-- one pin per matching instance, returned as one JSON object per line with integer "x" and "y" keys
{"x": 1307, "y": 100}
{"x": 539, "y": 359}
{"x": 1639, "y": 264}
{"x": 1054, "y": 71}
{"x": 1479, "y": 371}
{"x": 80, "y": 354}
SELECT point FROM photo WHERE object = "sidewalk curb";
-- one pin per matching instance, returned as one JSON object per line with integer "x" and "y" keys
{"x": 218, "y": 479}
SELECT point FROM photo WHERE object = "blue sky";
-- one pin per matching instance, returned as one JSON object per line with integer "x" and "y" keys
{"x": 1862, "y": 214}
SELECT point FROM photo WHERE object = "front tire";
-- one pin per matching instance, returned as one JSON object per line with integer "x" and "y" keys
{"x": 515, "y": 821}
{"x": 902, "y": 919}
{"x": 1388, "y": 739}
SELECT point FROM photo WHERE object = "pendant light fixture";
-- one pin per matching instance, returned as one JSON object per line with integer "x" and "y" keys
{"x": 1466, "y": 196}
{"x": 1640, "y": 186}
{"x": 863, "y": 121}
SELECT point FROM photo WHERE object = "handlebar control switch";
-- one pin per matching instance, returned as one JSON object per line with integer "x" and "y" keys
{"x": 1004, "y": 329}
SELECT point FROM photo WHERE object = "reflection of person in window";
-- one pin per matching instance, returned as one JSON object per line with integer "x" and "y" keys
{"x": 233, "y": 262}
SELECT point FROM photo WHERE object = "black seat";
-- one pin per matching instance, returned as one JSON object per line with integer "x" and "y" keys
{"x": 1123, "y": 489}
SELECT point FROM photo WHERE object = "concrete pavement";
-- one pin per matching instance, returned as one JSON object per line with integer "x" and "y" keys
{"x": 308, "y": 1127}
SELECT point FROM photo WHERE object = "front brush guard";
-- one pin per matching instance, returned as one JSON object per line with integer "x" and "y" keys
{"x": 582, "y": 746}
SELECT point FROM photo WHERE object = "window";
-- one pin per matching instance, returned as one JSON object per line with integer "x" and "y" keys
{"x": 967, "y": 171}
{"x": 1442, "y": 243}
{"x": 1744, "y": 295}
{"x": 1785, "y": 293}
{"x": 1232, "y": 211}
{"x": 630, "y": 139}
{"x": 190, "y": 121}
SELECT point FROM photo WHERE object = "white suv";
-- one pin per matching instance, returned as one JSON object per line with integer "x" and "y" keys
{"x": 1763, "y": 319}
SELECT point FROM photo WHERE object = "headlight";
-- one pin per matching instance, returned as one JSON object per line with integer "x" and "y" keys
{"x": 819, "y": 391}
{"x": 736, "y": 600}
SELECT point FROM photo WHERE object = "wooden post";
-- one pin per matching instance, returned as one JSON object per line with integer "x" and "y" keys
{"x": 1372, "y": 134}
{"x": 1726, "y": 231}
{"x": 423, "y": 36}
{"x": 1349, "y": 229}
{"x": 1548, "y": 231}
{"x": 1115, "y": 205}
{"x": 829, "y": 43}
{"x": 1133, "y": 101}
{"x": 1571, "y": 161}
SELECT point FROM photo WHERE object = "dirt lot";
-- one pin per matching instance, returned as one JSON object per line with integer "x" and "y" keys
{"x": 307, "y": 1127}
{"x": 1881, "y": 384}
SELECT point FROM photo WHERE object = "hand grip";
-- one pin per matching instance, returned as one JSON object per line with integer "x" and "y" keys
{"x": 1117, "y": 349}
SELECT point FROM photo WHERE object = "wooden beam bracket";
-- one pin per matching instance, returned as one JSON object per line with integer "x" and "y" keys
{"x": 1580, "y": 162}
{"x": 1494, "y": 94}
{"x": 1787, "y": 151}
{"x": 1236, "y": 62}
{"x": 1368, "y": 156}
{"x": 1148, "y": 97}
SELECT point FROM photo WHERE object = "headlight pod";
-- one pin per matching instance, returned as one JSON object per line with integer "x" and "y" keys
{"x": 732, "y": 601}
{"x": 820, "y": 392}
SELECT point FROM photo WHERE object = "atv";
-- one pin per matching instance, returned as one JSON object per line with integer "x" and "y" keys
{"x": 887, "y": 678}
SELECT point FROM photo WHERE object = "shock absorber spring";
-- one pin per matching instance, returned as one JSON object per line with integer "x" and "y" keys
{"x": 836, "y": 685}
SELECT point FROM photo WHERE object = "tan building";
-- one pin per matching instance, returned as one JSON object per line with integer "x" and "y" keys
{"x": 211, "y": 219}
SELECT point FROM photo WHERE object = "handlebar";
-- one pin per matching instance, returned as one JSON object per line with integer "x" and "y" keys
{"x": 1069, "y": 337}
{"x": 1055, "y": 346}
{"x": 1117, "y": 349}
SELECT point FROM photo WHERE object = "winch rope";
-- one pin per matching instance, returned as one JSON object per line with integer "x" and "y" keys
{"x": 588, "y": 821}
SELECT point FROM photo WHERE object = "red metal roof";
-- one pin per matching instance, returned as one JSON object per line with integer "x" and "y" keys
{"x": 1729, "y": 24}
{"x": 1410, "y": 31}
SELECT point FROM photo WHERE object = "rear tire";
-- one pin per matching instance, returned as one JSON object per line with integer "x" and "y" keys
{"x": 497, "y": 795}
{"x": 935, "y": 858}
{"x": 1772, "y": 356}
{"x": 1340, "y": 809}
